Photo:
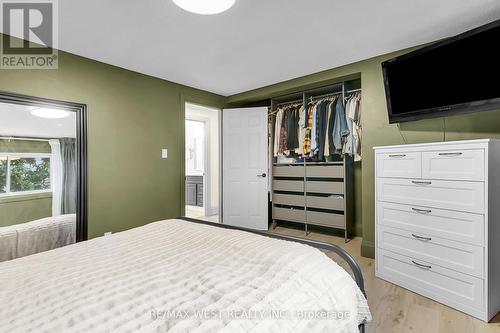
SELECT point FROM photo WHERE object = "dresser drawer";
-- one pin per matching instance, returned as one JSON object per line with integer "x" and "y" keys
{"x": 461, "y": 291}
{"x": 454, "y": 195}
{"x": 289, "y": 214}
{"x": 464, "y": 258}
{"x": 401, "y": 165}
{"x": 447, "y": 224}
{"x": 288, "y": 171}
{"x": 454, "y": 165}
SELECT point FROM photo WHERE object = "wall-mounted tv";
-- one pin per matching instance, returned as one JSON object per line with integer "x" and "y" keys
{"x": 458, "y": 75}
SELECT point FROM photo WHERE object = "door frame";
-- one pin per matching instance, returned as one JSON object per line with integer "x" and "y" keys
{"x": 206, "y": 161}
{"x": 81, "y": 150}
{"x": 206, "y": 166}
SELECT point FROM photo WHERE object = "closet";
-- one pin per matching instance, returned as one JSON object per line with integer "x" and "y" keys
{"x": 312, "y": 183}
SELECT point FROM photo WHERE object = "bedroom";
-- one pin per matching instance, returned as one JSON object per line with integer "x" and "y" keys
{"x": 130, "y": 91}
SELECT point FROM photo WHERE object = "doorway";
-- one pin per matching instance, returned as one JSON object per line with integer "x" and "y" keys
{"x": 202, "y": 154}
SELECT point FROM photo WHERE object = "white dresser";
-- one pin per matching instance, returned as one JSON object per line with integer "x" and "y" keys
{"x": 438, "y": 222}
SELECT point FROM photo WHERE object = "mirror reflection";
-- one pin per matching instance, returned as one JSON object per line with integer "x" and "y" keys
{"x": 38, "y": 170}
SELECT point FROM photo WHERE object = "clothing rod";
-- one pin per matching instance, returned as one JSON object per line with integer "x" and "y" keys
{"x": 353, "y": 90}
{"x": 325, "y": 95}
{"x": 22, "y": 139}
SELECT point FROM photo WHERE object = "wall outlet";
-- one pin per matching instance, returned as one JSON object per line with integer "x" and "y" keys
{"x": 164, "y": 153}
{"x": 107, "y": 233}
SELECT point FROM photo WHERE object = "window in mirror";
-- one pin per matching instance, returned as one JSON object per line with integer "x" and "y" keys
{"x": 3, "y": 174}
{"x": 29, "y": 174}
{"x": 20, "y": 174}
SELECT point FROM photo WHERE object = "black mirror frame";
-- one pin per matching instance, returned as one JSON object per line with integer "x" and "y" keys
{"x": 81, "y": 149}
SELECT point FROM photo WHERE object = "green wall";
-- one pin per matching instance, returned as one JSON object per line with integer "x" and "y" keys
{"x": 131, "y": 117}
{"x": 24, "y": 208}
{"x": 21, "y": 146}
{"x": 376, "y": 128}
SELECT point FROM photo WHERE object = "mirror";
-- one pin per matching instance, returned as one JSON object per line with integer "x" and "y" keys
{"x": 40, "y": 177}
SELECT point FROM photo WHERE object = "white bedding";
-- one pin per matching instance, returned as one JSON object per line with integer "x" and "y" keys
{"x": 45, "y": 234}
{"x": 127, "y": 282}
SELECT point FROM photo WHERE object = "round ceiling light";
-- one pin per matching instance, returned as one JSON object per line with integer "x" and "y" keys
{"x": 50, "y": 113}
{"x": 205, "y": 7}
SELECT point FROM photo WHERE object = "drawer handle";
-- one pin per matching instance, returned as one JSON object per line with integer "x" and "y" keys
{"x": 421, "y": 265}
{"x": 398, "y": 155}
{"x": 450, "y": 154}
{"x": 420, "y": 182}
{"x": 423, "y": 211}
{"x": 421, "y": 238}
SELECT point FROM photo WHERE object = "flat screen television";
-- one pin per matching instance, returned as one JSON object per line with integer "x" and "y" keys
{"x": 458, "y": 75}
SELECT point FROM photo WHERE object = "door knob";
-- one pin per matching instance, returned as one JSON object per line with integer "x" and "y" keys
{"x": 263, "y": 175}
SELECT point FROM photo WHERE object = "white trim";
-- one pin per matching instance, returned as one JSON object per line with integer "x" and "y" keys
{"x": 212, "y": 206}
{"x": 28, "y": 155}
{"x": 16, "y": 194}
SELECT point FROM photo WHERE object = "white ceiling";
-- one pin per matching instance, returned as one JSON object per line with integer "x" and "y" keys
{"x": 17, "y": 121}
{"x": 257, "y": 43}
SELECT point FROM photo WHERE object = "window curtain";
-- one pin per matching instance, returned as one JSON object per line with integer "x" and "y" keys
{"x": 56, "y": 176}
{"x": 69, "y": 190}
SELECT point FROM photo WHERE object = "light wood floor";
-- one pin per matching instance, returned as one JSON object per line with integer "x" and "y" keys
{"x": 395, "y": 309}
{"x": 196, "y": 212}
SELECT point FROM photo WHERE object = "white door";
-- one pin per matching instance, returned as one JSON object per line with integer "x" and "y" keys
{"x": 244, "y": 171}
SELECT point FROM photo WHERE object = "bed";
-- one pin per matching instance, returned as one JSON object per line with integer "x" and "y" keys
{"x": 40, "y": 235}
{"x": 183, "y": 275}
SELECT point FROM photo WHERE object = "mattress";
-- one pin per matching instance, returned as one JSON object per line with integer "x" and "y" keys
{"x": 179, "y": 276}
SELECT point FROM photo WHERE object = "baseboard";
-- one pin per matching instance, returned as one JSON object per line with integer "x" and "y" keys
{"x": 368, "y": 249}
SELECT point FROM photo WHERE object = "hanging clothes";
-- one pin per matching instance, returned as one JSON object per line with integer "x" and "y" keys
{"x": 353, "y": 141}
{"x": 329, "y": 128}
{"x": 302, "y": 130}
{"x": 276, "y": 133}
{"x": 307, "y": 138}
{"x": 321, "y": 117}
{"x": 292, "y": 129}
{"x": 319, "y": 130}
{"x": 283, "y": 135}
{"x": 340, "y": 129}
{"x": 314, "y": 141}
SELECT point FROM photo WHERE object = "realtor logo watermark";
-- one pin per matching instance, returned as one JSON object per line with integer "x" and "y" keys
{"x": 30, "y": 37}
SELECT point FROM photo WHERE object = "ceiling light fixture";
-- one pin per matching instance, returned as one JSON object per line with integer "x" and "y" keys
{"x": 50, "y": 113}
{"x": 205, "y": 7}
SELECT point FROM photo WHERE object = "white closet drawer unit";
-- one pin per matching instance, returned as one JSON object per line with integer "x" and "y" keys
{"x": 401, "y": 165}
{"x": 454, "y": 195}
{"x": 465, "y": 258}
{"x": 458, "y": 226}
{"x": 458, "y": 290}
{"x": 454, "y": 164}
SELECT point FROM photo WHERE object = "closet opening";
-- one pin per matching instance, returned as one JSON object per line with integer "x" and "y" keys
{"x": 202, "y": 162}
{"x": 314, "y": 147}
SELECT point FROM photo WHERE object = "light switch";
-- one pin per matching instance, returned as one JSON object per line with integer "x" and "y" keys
{"x": 164, "y": 153}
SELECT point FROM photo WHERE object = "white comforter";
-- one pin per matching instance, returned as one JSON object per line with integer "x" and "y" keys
{"x": 45, "y": 234}
{"x": 178, "y": 276}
